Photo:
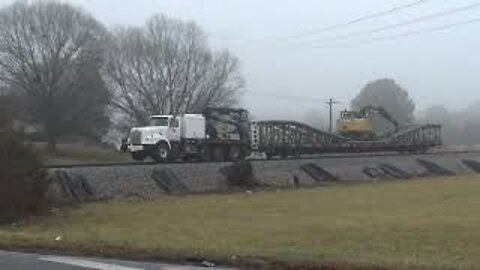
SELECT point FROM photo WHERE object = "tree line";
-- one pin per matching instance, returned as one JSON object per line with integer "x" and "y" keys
{"x": 459, "y": 127}
{"x": 74, "y": 76}
{"x": 77, "y": 76}
{"x": 385, "y": 93}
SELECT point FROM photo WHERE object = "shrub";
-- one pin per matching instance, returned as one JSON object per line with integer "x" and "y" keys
{"x": 22, "y": 181}
{"x": 240, "y": 174}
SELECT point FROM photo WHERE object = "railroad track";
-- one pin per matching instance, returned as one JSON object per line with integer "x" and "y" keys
{"x": 312, "y": 157}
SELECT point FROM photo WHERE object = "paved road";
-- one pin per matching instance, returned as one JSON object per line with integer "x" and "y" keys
{"x": 28, "y": 261}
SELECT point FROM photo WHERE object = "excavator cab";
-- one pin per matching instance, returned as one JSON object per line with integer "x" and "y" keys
{"x": 358, "y": 124}
{"x": 353, "y": 125}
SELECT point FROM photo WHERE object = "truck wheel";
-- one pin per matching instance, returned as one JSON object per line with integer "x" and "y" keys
{"x": 138, "y": 156}
{"x": 219, "y": 153}
{"x": 162, "y": 153}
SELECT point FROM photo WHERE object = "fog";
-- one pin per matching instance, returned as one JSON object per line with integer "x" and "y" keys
{"x": 293, "y": 77}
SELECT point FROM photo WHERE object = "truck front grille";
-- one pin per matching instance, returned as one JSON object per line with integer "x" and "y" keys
{"x": 136, "y": 137}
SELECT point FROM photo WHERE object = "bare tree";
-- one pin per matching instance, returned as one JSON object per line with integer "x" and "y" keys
{"x": 49, "y": 51}
{"x": 166, "y": 67}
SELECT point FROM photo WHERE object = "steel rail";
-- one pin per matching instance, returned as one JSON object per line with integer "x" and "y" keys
{"x": 310, "y": 157}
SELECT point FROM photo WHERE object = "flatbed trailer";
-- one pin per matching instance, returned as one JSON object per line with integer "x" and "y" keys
{"x": 290, "y": 138}
{"x": 222, "y": 134}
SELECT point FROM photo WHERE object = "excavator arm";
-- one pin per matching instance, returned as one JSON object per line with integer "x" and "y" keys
{"x": 382, "y": 112}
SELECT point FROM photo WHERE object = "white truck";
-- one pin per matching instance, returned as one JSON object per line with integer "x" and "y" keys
{"x": 217, "y": 134}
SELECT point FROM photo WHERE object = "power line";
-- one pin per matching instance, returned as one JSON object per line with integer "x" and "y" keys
{"x": 418, "y": 32}
{"x": 347, "y": 23}
{"x": 429, "y": 30}
{"x": 404, "y": 23}
{"x": 307, "y": 99}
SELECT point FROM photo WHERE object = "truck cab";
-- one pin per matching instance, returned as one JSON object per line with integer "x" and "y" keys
{"x": 160, "y": 128}
{"x": 165, "y": 135}
{"x": 217, "y": 134}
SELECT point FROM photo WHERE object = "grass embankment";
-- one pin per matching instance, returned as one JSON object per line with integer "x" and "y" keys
{"x": 73, "y": 154}
{"x": 414, "y": 224}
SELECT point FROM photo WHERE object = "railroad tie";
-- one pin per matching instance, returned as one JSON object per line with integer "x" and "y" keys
{"x": 317, "y": 173}
{"x": 433, "y": 168}
{"x": 373, "y": 172}
{"x": 394, "y": 172}
{"x": 168, "y": 181}
{"x": 74, "y": 186}
{"x": 472, "y": 164}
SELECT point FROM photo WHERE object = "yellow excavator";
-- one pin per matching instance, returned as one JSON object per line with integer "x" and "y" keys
{"x": 358, "y": 124}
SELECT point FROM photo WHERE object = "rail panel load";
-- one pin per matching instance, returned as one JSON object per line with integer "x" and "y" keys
{"x": 284, "y": 138}
{"x": 418, "y": 136}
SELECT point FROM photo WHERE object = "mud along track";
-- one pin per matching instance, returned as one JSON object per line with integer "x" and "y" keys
{"x": 312, "y": 157}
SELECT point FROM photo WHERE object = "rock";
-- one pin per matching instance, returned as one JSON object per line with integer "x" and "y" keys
{"x": 207, "y": 264}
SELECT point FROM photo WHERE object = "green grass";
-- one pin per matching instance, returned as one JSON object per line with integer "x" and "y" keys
{"x": 72, "y": 153}
{"x": 428, "y": 224}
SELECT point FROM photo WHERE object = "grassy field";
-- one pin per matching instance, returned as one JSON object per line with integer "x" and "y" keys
{"x": 429, "y": 224}
{"x": 72, "y": 154}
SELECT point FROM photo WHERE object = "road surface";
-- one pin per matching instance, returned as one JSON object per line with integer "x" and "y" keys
{"x": 28, "y": 261}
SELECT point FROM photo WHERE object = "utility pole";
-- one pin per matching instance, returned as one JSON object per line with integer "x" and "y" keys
{"x": 330, "y": 103}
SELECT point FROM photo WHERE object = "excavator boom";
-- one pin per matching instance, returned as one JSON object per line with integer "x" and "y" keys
{"x": 382, "y": 112}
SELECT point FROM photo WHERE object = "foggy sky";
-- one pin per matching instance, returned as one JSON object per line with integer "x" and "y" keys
{"x": 437, "y": 68}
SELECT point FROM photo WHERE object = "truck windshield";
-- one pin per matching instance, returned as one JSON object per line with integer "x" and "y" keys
{"x": 159, "y": 122}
